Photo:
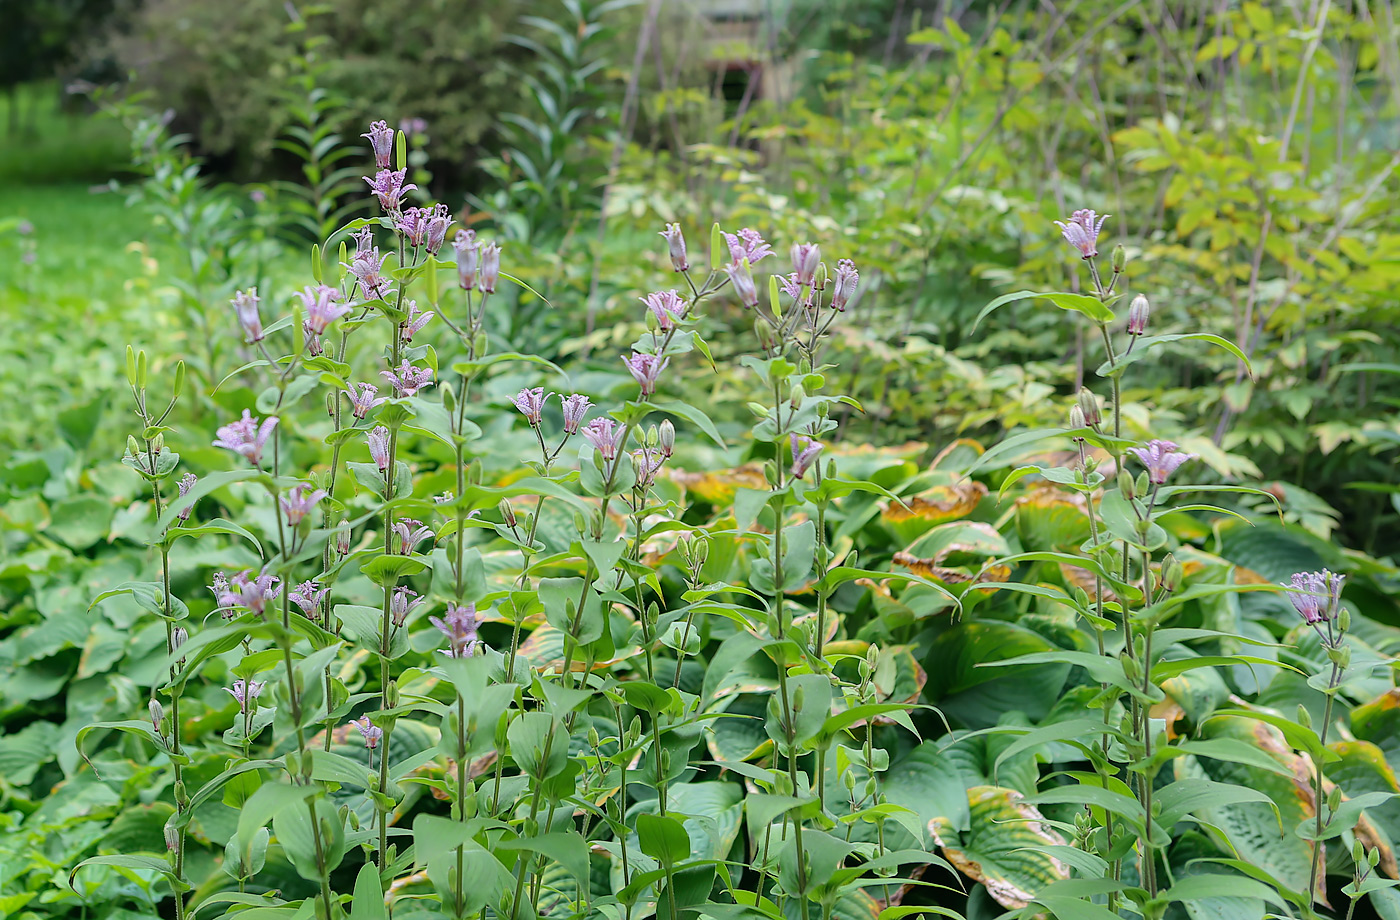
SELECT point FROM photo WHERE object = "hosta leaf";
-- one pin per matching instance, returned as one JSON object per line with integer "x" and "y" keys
{"x": 1002, "y": 847}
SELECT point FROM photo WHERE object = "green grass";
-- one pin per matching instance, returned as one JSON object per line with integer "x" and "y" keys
{"x": 41, "y": 143}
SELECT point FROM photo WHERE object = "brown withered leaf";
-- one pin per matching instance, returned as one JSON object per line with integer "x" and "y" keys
{"x": 929, "y": 568}
{"x": 719, "y": 486}
{"x": 938, "y": 504}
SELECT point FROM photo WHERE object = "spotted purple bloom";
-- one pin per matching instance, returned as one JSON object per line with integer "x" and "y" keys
{"x": 1082, "y": 231}
{"x": 245, "y": 305}
{"x": 186, "y": 483}
{"x": 747, "y": 245}
{"x": 321, "y": 306}
{"x": 368, "y": 269}
{"x": 246, "y": 692}
{"x": 575, "y": 408}
{"x": 742, "y": 279}
{"x": 378, "y": 438}
{"x": 804, "y": 453}
{"x": 459, "y": 625}
{"x": 372, "y": 733}
{"x": 364, "y": 244}
{"x": 413, "y": 224}
{"x": 606, "y": 436}
{"x": 1317, "y": 596}
{"x": 407, "y": 379}
{"x": 247, "y": 590}
{"x": 646, "y": 463}
{"x": 667, "y": 307}
{"x": 490, "y": 267}
{"x": 1161, "y": 459}
{"x": 847, "y": 278}
{"x": 224, "y": 597}
{"x": 308, "y": 596}
{"x": 410, "y": 533}
{"x": 401, "y": 603}
{"x": 388, "y": 186}
{"x": 646, "y": 370}
{"x": 675, "y": 242}
{"x": 246, "y": 437}
{"x": 443, "y": 497}
{"x": 468, "y": 252}
{"x": 314, "y": 346}
{"x": 439, "y": 222}
{"x": 791, "y": 286}
{"x": 531, "y": 404}
{"x": 415, "y": 322}
{"x": 362, "y": 398}
{"x": 805, "y": 259}
{"x": 381, "y": 138}
{"x": 299, "y": 501}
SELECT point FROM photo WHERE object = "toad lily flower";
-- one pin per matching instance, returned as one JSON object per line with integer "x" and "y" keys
{"x": 575, "y": 408}
{"x": 308, "y": 596}
{"x": 381, "y": 139}
{"x": 667, "y": 307}
{"x": 362, "y": 398}
{"x": 245, "y": 306}
{"x": 415, "y": 322}
{"x": 606, "y": 437}
{"x": 847, "y": 278}
{"x": 675, "y": 242}
{"x": 378, "y": 438}
{"x": 1082, "y": 231}
{"x": 186, "y": 483}
{"x": 299, "y": 501}
{"x": 1317, "y": 596}
{"x": 246, "y": 590}
{"x": 246, "y": 437}
{"x": 646, "y": 370}
{"x": 246, "y": 692}
{"x": 468, "y": 252}
{"x": 407, "y": 379}
{"x": 805, "y": 259}
{"x": 388, "y": 186}
{"x": 459, "y": 625}
{"x": 368, "y": 269}
{"x": 372, "y": 733}
{"x": 439, "y": 222}
{"x": 490, "y": 267}
{"x": 321, "y": 307}
{"x": 1161, "y": 459}
{"x": 531, "y": 402}
{"x": 410, "y": 533}
{"x": 804, "y": 453}
{"x": 742, "y": 279}
{"x": 402, "y": 603}
{"x": 747, "y": 245}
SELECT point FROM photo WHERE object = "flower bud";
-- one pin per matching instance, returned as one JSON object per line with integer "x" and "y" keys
{"x": 178, "y": 637}
{"x": 1373, "y": 857}
{"x": 1172, "y": 573}
{"x": 449, "y": 398}
{"x": 157, "y": 714}
{"x": 675, "y": 242}
{"x": 490, "y": 267}
{"x": 342, "y": 539}
{"x": 1138, "y": 312}
{"x": 172, "y": 837}
{"x": 1343, "y": 619}
{"x": 1334, "y": 798}
{"x": 1076, "y": 418}
{"x": 1304, "y": 717}
{"x": 1089, "y": 405}
{"x": 1126, "y": 485}
{"x": 507, "y": 513}
{"x": 1119, "y": 259}
{"x": 742, "y": 279}
{"x": 666, "y": 437}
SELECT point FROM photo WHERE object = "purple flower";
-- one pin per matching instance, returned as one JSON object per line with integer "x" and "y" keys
{"x": 299, "y": 501}
{"x": 372, "y": 733}
{"x": 186, "y": 483}
{"x": 804, "y": 453}
{"x": 321, "y": 307}
{"x": 362, "y": 398}
{"x": 646, "y": 463}
{"x": 415, "y": 322}
{"x": 805, "y": 259}
{"x": 490, "y": 267}
{"x": 847, "y": 278}
{"x": 667, "y": 307}
{"x": 378, "y": 438}
{"x": 531, "y": 404}
{"x": 747, "y": 245}
{"x": 246, "y": 437}
{"x": 388, "y": 187}
{"x": 606, "y": 436}
{"x": 401, "y": 603}
{"x": 314, "y": 346}
{"x": 1161, "y": 459}
{"x": 247, "y": 590}
{"x": 443, "y": 497}
{"x": 1138, "y": 312}
{"x": 245, "y": 691}
{"x": 1082, "y": 231}
{"x": 245, "y": 305}
{"x": 308, "y": 596}
{"x": 742, "y": 279}
{"x": 413, "y": 224}
{"x": 439, "y": 221}
{"x": 1317, "y": 596}
{"x": 468, "y": 258}
{"x": 381, "y": 138}
{"x": 364, "y": 244}
{"x": 675, "y": 241}
{"x": 407, "y": 379}
{"x": 410, "y": 534}
{"x": 575, "y": 408}
{"x": 224, "y": 598}
{"x": 646, "y": 370}
{"x": 342, "y": 539}
{"x": 368, "y": 269}
{"x": 791, "y": 286}
{"x": 459, "y": 625}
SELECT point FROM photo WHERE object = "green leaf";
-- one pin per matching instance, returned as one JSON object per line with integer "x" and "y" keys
{"x": 1091, "y": 307}
{"x": 1145, "y": 344}
{"x": 663, "y": 838}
